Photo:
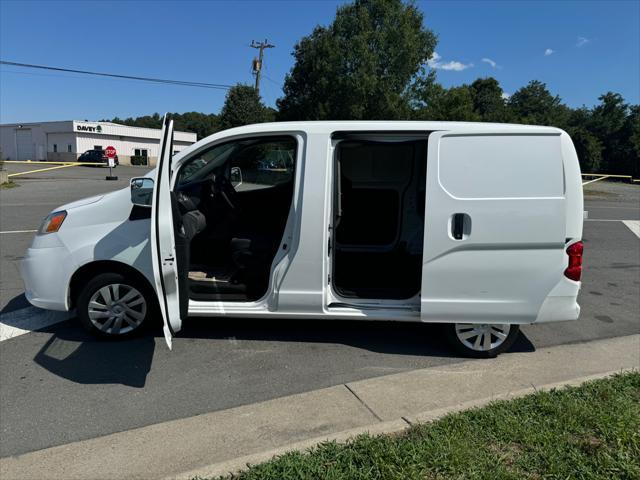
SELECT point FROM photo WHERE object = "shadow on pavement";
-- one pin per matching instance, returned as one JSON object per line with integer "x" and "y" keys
{"x": 391, "y": 338}
{"x": 19, "y": 316}
{"x": 77, "y": 356}
{"x": 16, "y": 303}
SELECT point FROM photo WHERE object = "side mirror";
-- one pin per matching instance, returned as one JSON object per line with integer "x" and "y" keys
{"x": 236, "y": 176}
{"x": 141, "y": 191}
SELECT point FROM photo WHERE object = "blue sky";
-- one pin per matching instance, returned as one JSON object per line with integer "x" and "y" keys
{"x": 591, "y": 47}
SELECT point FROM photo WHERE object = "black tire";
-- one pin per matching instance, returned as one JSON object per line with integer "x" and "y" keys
{"x": 467, "y": 351}
{"x": 138, "y": 310}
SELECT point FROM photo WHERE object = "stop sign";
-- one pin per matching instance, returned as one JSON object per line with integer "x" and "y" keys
{"x": 110, "y": 152}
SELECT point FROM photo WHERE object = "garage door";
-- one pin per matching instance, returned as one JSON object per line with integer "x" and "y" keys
{"x": 24, "y": 143}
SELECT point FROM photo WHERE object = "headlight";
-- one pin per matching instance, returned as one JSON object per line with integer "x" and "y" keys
{"x": 52, "y": 223}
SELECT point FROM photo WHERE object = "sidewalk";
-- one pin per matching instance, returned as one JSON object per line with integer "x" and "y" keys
{"x": 224, "y": 441}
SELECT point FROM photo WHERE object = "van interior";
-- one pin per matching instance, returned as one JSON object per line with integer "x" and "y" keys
{"x": 379, "y": 207}
{"x": 231, "y": 204}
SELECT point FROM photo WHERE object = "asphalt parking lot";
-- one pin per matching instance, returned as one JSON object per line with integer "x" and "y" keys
{"x": 59, "y": 385}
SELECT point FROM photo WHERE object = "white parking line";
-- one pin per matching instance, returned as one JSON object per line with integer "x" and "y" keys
{"x": 19, "y": 231}
{"x": 16, "y": 323}
{"x": 634, "y": 226}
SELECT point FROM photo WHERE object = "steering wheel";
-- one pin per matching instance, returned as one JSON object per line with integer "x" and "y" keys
{"x": 222, "y": 188}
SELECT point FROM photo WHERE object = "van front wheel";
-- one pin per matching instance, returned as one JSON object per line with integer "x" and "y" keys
{"x": 482, "y": 340}
{"x": 112, "y": 305}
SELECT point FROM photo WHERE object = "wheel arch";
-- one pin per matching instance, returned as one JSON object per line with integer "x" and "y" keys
{"x": 89, "y": 270}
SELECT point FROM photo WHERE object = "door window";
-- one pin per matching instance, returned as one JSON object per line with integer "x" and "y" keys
{"x": 250, "y": 164}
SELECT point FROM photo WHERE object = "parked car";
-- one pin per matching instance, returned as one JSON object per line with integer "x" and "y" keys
{"x": 475, "y": 226}
{"x": 97, "y": 156}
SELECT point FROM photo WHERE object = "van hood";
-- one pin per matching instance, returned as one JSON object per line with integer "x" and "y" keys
{"x": 124, "y": 192}
{"x": 81, "y": 203}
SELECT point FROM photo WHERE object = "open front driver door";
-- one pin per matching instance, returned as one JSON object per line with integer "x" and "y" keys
{"x": 166, "y": 244}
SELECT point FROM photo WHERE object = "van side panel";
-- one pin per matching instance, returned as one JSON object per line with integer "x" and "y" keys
{"x": 510, "y": 188}
{"x": 561, "y": 303}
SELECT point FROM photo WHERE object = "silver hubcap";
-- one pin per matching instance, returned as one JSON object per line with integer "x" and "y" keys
{"x": 482, "y": 337}
{"x": 117, "y": 309}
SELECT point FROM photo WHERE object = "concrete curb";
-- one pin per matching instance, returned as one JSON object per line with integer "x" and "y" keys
{"x": 384, "y": 428}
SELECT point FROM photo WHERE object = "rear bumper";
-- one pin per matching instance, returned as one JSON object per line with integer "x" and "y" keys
{"x": 46, "y": 273}
{"x": 561, "y": 304}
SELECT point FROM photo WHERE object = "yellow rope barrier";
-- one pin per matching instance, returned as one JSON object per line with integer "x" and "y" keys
{"x": 606, "y": 175}
{"x": 37, "y": 162}
{"x": 39, "y": 170}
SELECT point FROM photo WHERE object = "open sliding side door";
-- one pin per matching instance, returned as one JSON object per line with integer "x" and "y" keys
{"x": 494, "y": 226}
{"x": 165, "y": 250}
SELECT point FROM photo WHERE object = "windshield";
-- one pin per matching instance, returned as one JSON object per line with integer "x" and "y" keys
{"x": 202, "y": 165}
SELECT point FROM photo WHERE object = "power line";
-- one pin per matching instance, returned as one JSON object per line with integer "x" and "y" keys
{"x": 184, "y": 83}
{"x": 272, "y": 80}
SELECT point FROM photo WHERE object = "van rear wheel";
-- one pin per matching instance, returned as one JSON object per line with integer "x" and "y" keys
{"x": 112, "y": 305}
{"x": 483, "y": 340}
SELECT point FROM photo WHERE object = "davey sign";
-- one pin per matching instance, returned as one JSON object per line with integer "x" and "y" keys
{"x": 83, "y": 127}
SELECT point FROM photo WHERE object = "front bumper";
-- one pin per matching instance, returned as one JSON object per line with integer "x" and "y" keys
{"x": 46, "y": 273}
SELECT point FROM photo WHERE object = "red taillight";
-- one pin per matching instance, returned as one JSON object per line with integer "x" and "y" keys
{"x": 574, "y": 270}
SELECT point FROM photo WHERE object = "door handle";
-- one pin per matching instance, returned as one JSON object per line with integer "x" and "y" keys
{"x": 460, "y": 226}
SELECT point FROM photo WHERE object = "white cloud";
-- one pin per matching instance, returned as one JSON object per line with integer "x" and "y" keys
{"x": 435, "y": 62}
{"x": 490, "y": 62}
{"x": 582, "y": 41}
{"x": 434, "y": 59}
{"x": 506, "y": 96}
{"x": 548, "y": 52}
{"x": 455, "y": 66}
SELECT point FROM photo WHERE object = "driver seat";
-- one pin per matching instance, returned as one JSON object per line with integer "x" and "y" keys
{"x": 251, "y": 256}
{"x": 251, "y": 250}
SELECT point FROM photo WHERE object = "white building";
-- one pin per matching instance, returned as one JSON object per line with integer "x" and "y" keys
{"x": 67, "y": 140}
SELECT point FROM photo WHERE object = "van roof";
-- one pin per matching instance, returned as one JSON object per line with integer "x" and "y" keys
{"x": 329, "y": 127}
{"x": 387, "y": 125}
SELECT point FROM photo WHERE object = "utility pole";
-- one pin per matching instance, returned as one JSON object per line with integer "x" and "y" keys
{"x": 257, "y": 62}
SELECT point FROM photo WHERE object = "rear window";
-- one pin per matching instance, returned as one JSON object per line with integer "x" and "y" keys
{"x": 501, "y": 166}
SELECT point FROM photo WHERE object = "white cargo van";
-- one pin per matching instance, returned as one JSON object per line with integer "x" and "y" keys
{"x": 475, "y": 226}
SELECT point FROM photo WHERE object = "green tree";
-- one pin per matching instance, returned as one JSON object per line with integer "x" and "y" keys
{"x": 533, "y": 104}
{"x": 488, "y": 100}
{"x": 588, "y": 147}
{"x": 359, "y": 67}
{"x": 611, "y": 125}
{"x": 242, "y": 106}
{"x": 201, "y": 124}
{"x": 453, "y": 104}
{"x": 633, "y": 126}
{"x": 146, "y": 121}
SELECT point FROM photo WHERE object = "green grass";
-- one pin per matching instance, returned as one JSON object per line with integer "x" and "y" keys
{"x": 9, "y": 184}
{"x": 591, "y": 431}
